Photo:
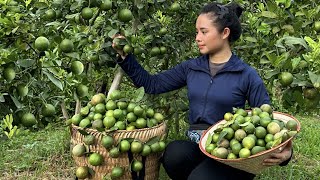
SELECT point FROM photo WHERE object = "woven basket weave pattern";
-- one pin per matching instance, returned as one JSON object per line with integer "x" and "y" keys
{"x": 253, "y": 164}
{"x": 152, "y": 161}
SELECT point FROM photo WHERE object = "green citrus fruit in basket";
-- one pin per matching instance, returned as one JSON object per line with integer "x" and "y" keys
{"x": 107, "y": 141}
{"x": 221, "y": 152}
{"x": 248, "y": 142}
{"x": 162, "y": 145}
{"x": 146, "y": 150}
{"x": 121, "y": 125}
{"x": 78, "y": 150}
{"x": 82, "y": 172}
{"x": 292, "y": 125}
{"x": 124, "y": 145}
{"x": 155, "y": 147}
{"x": 159, "y": 117}
{"x": 244, "y": 153}
{"x": 260, "y": 132}
{"x": 114, "y": 152}
{"x": 89, "y": 139}
{"x": 97, "y": 124}
{"x": 273, "y": 128}
{"x": 111, "y": 105}
{"x": 85, "y": 123}
{"x": 240, "y": 134}
{"x": 95, "y": 159}
{"x": 136, "y": 166}
{"x": 136, "y": 147}
{"x": 109, "y": 122}
{"x": 141, "y": 123}
{"x": 266, "y": 108}
{"x": 117, "y": 172}
{"x": 210, "y": 148}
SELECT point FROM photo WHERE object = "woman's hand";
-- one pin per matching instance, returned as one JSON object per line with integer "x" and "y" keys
{"x": 278, "y": 158}
{"x": 116, "y": 38}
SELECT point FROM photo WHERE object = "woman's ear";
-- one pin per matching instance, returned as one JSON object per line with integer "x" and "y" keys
{"x": 226, "y": 33}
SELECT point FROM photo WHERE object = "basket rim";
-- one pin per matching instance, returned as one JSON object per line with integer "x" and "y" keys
{"x": 253, "y": 156}
{"x": 120, "y": 131}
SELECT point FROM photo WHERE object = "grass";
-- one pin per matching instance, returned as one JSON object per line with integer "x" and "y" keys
{"x": 46, "y": 155}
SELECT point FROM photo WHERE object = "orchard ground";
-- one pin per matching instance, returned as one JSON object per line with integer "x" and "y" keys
{"x": 46, "y": 154}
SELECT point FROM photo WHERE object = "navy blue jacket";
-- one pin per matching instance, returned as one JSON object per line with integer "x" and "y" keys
{"x": 209, "y": 97}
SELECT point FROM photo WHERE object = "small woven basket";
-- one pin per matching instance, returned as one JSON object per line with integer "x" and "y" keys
{"x": 252, "y": 164}
{"x": 152, "y": 163}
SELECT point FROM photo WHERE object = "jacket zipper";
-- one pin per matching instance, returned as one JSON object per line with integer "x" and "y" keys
{"x": 205, "y": 97}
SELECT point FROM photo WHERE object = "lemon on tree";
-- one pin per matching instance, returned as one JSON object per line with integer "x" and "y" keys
{"x": 285, "y": 78}
{"x": 42, "y": 43}
{"x": 106, "y": 5}
{"x": 86, "y": 13}
{"x": 28, "y": 120}
{"x": 50, "y": 14}
{"x": 48, "y": 110}
{"x": 82, "y": 90}
{"x": 66, "y": 46}
{"x": 77, "y": 67}
{"x": 125, "y": 15}
{"x": 175, "y": 7}
{"x": 22, "y": 90}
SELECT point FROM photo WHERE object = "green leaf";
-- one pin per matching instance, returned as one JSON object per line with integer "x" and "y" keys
{"x": 25, "y": 62}
{"x": 270, "y": 73}
{"x": 16, "y": 102}
{"x": 112, "y": 32}
{"x": 139, "y": 94}
{"x": 244, "y": 124}
{"x": 250, "y": 39}
{"x": 73, "y": 55}
{"x": 153, "y": 140}
{"x": 291, "y": 41}
{"x": 269, "y": 14}
{"x": 83, "y": 132}
{"x": 314, "y": 77}
{"x": 54, "y": 80}
{"x": 295, "y": 62}
{"x": 209, "y": 139}
{"x": 221, "y": 136}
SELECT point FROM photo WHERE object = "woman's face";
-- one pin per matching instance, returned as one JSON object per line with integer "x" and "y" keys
{"x": 208, "y": 38}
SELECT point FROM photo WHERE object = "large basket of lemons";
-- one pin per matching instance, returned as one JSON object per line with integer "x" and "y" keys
{"x": 243, "y": 139}
{"x": 117, "y": 139}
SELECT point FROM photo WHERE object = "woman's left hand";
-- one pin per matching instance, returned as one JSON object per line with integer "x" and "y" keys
{"x": 278, "y": 158}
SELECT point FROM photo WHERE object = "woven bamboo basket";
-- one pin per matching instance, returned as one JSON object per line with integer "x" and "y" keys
{"x": 252, "y": 164}
{"x": 152, "y": 164}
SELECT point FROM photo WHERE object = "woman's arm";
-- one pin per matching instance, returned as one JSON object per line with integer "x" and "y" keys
{"x": 168, "y": 80}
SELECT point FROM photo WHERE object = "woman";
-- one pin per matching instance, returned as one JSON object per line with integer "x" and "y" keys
{"x": 217, "y": 81}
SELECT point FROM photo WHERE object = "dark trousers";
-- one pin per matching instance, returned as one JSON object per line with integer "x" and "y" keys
{"x": 183, "y": 160}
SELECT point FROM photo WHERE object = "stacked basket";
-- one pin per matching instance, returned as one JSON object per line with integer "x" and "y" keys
{"x": 151, "y": 164}
{"x": 252, "y": 164}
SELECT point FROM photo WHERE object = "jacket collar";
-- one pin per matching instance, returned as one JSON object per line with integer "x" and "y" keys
{"x": 234, "y": 64}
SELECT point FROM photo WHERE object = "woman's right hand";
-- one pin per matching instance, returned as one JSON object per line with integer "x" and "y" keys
{"x": 116, "y": 38}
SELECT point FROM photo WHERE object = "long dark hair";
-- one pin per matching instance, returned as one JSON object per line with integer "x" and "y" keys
{"x": 225, "y": 16}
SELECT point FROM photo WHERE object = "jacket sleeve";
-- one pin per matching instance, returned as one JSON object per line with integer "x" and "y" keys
{"x": 256, "y": 92}
{"x": 166, "y": 81}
